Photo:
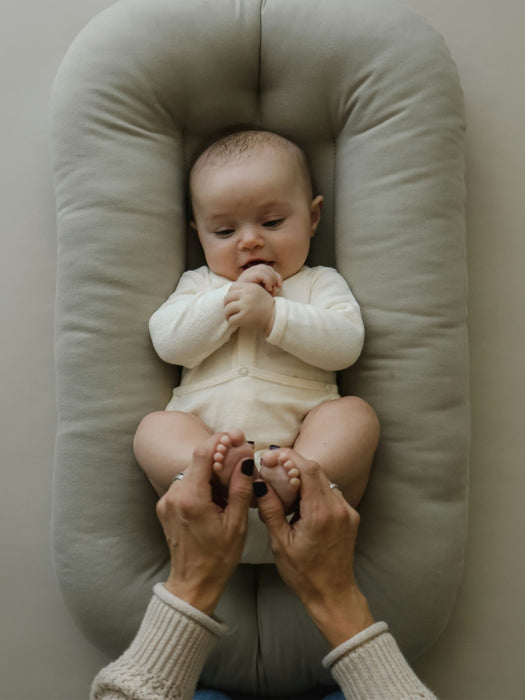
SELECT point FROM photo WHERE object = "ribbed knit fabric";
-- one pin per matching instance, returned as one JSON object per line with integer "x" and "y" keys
{"x": 166, "y": 657}
{"x": 370, "y": 666}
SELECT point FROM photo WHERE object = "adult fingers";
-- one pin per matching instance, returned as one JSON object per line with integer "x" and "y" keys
{"x": 315, "y": 487}
{"x": 322, "y": 507}
{"x": 240, "y": 493}
{"x": 199, "y": 472}
{"x": 271, "y": 512}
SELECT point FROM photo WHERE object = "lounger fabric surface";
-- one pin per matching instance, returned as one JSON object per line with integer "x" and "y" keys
{"x": 372, "y": 95}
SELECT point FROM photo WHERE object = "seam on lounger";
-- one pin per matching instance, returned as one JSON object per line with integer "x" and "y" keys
{"x": 335, "y": 261}
{"x": 259, "y": 67}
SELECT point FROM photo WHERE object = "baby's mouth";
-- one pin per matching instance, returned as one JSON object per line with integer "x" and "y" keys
{"x": 251, "y": 263}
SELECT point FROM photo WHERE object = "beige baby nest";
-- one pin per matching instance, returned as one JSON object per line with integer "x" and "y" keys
{"x": 372, "y": 95}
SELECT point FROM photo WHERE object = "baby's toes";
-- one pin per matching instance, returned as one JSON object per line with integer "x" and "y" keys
{"x": 294, "y": 476}
{"x": 224, "y": 444}
{"x": 275, "y": 457}
{"x": 220, "y": 452}
{"x": 293, "y": 472}
{"x": 236, "y": 437}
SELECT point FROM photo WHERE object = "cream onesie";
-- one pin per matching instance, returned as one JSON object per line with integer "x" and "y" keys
{"x": 241, "y": 379}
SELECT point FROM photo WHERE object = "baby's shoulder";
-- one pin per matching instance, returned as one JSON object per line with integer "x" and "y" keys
{"x": 322, "y": 281}
{"x": 308, "y": 281}
{"x": 312, "y": 274}
{"x": 203, "y": 271}
{"x": 202, "y": 276}
{"x": 320, "y": 269}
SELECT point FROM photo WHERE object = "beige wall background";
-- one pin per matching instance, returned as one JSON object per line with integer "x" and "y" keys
{"x": 480, "y": 654}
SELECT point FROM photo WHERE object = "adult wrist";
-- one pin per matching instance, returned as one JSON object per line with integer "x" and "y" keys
{"x": 341, "y": 617}
{"x": 203, "y": 598}
{"x": 211, "y": 624}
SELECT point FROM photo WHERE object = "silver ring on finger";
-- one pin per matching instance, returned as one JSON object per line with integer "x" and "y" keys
{"x": 335, "y": 486}
{"x": 179, "y": 476}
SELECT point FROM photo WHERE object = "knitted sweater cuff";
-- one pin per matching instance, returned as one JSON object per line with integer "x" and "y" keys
{"x": 371, "y": 665}
{"x": 167, "y": 655}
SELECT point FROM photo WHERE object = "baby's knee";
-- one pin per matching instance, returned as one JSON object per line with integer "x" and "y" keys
{"x": 146, "y": 428}
{"x": 149, "y": 423}
{"x": 362, "y": 412}
{"x": 159, "y": 426}
{"x": 359, "y": 407}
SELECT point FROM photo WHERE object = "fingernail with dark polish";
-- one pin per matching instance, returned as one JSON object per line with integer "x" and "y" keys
{"x": 259, "y": 489}
{"x": 247, "y": 466}
{"x": 274, "y": 447}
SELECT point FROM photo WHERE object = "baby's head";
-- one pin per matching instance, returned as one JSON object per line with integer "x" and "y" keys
{"x": 252, "y": 203}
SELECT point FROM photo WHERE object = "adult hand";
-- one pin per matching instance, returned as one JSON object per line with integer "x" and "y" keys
{"x": 205, "y": 540}
{"x": 315, "y": 552}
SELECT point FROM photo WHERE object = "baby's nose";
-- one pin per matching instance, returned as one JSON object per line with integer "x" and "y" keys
{"x": 251, "y": 236}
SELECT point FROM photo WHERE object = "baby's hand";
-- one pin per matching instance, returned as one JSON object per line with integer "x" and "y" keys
{"x": 264, "y": 275}
{"x": 249, "y": 305}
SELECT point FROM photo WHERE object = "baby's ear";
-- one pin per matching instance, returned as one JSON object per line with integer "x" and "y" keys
{"x": 315, "y": 212}
{"x": 193, "y": 225}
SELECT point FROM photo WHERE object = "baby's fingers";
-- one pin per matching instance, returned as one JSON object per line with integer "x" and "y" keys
{"x": 277, "y": 283}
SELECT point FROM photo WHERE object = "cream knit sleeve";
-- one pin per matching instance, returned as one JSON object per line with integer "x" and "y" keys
{"x": 325, "y": 329}
{"x": 166, "y": 657}
{"x": 191, "y": 325}
{"x": 370, "y": 666}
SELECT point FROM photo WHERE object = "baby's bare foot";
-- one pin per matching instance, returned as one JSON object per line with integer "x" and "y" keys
{"x": 279, "y": 469}
{"x": 231, "y": 448}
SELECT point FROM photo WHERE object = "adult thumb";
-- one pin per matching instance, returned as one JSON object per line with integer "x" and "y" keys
{"x": 271, "y": 509}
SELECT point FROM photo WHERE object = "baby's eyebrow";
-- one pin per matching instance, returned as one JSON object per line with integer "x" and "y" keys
{"x": 274, "y": 204}
{"x": 214, "y": 218}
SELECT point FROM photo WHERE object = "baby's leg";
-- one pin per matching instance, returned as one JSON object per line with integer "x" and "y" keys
{"x": 164, "y": 445}
{"x": 341, "y": 436}
{"x": 165, "y": 441}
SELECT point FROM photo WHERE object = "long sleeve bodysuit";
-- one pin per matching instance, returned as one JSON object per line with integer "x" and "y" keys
{"x": 241, "y": 379}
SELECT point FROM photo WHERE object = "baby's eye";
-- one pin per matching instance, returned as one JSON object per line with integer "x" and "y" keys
{"x": 224, "y": 232}
{"x": 273, "y": 223}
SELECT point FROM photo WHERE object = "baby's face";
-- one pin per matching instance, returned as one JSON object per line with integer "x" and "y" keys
{"x": 254, "y": 210}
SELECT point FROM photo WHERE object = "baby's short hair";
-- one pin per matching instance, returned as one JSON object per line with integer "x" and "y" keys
{"x": 235, "y": 145}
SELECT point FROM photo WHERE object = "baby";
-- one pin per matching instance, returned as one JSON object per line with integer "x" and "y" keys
{"x": 259, "y": 335}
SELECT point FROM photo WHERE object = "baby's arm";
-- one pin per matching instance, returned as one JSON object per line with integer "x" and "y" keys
{"x": 190, "y": 325}
{"x": 327, "y": 331}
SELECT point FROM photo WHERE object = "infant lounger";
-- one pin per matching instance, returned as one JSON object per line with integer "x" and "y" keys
{"x": 372, "y": 95}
